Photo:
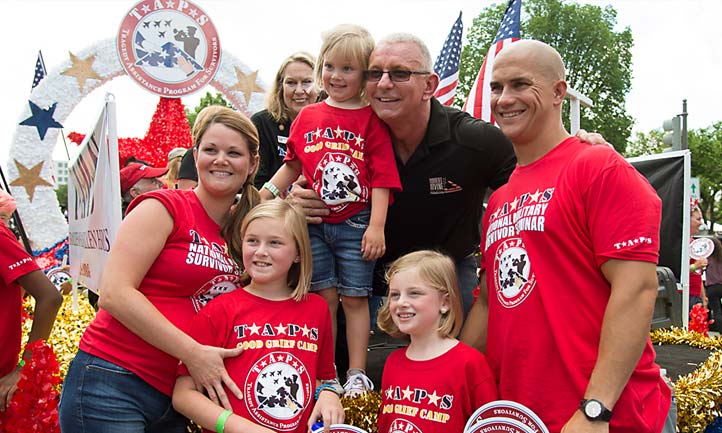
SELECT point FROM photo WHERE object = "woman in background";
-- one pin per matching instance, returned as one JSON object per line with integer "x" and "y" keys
{"x": 292, "y": 90}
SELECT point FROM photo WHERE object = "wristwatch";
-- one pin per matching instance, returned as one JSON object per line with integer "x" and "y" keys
{"x": 594, "y": 410}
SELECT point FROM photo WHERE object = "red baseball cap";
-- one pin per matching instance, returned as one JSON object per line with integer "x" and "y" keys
{"x": 134, "y": 172}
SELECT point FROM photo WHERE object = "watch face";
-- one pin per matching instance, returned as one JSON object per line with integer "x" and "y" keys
{"x": 593, "y": 409}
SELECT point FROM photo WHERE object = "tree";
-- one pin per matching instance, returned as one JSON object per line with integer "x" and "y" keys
{"x": 205, "y": 101}
{"x": 61, "y": 192}
{"x": 645, "y": 144}
{"x": 598, "y": 59}
{"x": 706, "y": 147}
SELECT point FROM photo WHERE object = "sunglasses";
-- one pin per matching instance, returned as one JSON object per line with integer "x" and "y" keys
{"x": 395, "y": 75}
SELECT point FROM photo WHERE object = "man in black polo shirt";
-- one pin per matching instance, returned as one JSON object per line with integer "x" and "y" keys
{"x": 446, "y": 160}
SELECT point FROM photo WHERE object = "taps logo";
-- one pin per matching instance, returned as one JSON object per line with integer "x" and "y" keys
{"x": 170, "y": 48}
{"x": 277, "y": 390}
{"x": 512, "y": 271}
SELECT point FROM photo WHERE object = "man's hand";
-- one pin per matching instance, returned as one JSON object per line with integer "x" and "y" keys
{"x": 592, "y": 138}
{"x": 308, "y": 201}
{"x": 580, "y": 424}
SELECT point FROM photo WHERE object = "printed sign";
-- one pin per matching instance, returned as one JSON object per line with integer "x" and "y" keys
{"x": 169, "y": 48}
{"x": 505, "y": 409}
{"x": 701, "y": 248}
{"x": 340, "y": 428}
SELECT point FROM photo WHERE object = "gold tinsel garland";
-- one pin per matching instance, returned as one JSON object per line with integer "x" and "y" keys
{"x": 363, "y": 411}
{"x": 699, "y": 393}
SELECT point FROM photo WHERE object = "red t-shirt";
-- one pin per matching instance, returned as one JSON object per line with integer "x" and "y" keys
{"x": 436, "y": 395}
{"x": 14, "y": 263}
{"x": 287, "y": 347}
{"x": 344, "y": 153}
{"x": 545, "y": 236}
{"x": 192, "y": 269}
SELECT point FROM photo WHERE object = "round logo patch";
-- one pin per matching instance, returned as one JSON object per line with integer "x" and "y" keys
{"x": 169, "y": 48}
{"x": 403, "y": 426}
{"x": 277, "y": 389}
{"x": 218, "y": 285}
{"x": 58, "y": 276}
{"x": 512, "y": 270}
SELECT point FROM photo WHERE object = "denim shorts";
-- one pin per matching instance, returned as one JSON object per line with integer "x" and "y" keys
{"x": 101, "y": 397}
{"x": 337, "y": 258}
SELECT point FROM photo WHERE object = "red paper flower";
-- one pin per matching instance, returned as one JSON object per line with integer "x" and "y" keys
{"x": 698, "y": 320}
{"x": 168, "y": 129}
{"x": 34, "y": 407}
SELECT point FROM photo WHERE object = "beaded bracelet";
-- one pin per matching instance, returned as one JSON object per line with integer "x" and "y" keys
{"x": 321, "y": 388}
{"x": 222, "y": 418}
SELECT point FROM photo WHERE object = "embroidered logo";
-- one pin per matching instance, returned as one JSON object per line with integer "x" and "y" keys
{"x": 442, "y": 185}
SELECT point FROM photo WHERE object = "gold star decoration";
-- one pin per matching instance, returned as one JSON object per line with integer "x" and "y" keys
{"x": 246, "y": 84}
{"x": 29, "y": 178}
{"x": 82, "y": 70}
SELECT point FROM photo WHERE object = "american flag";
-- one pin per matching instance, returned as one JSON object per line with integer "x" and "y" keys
{"x": 39, "y": 70}
{"x": 447, "y": 64}
{"x": 478, "y": 102}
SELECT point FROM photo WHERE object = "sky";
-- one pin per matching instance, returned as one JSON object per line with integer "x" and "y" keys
{"x": 676, "y": 54}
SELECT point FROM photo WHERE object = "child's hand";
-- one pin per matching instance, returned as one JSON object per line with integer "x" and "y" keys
{"x": 373, "y": 244}
{"x": 328, "y": 409}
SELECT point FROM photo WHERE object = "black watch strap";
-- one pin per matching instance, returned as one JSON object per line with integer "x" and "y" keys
{"x": 594, "y": 410}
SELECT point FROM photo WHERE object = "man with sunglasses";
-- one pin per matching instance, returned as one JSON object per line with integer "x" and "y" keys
{"x": 446, "y": 160}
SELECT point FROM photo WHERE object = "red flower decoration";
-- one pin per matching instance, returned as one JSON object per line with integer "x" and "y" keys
{"x": 168, "y": 129}
{"x": 698, "y": 320}
{"x": 34, "y": 407}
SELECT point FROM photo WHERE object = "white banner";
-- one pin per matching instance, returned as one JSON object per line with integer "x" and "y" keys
{"x": 94, "y": 200}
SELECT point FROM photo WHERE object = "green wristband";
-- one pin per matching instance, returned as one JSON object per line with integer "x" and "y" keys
{"x": 222, "y": 418}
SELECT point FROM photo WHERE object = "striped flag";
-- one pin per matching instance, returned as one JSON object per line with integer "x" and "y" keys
{"x": 447, "y": 64}
{"x": 478, "y": 102}
{"x": 39, "y": 70}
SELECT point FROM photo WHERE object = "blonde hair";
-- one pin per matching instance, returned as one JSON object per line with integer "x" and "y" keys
{"x": 346, "y": 40}
{"x": 275, "y": 104}
{"x": 299, "y": 275}
{"x": 172, "y": 176}
{"x": 439, "y": 272}
{"x": 249, "y": 194}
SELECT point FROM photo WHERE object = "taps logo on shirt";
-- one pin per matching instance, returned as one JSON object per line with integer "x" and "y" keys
{"x": 277, "y": 389}
{"x": 512, "y": 273}
{"x": 403, "y": 426}
{"x": 218, "y": 285}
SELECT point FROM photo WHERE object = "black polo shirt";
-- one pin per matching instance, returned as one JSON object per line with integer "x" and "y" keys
{"x": 444, "y": 183}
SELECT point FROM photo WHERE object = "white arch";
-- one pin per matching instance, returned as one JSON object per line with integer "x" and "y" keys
{"x": 44, "y": 223}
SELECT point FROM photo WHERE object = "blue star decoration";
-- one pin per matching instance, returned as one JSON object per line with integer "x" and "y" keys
{"x": 42, "y": 119}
